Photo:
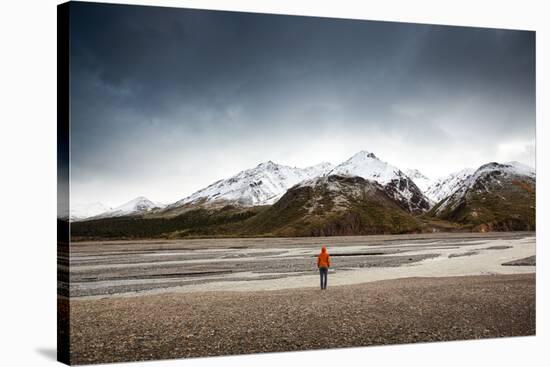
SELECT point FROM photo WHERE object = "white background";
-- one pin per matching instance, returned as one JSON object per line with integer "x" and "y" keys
{"x": 28, "y": 182}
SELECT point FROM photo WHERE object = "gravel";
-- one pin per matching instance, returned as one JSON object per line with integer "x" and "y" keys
{"x": 178, "y": 325}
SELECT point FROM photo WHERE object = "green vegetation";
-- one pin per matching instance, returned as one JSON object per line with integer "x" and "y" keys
{"x": 360, "y": 208}
{"x": 355, "y": 207}
{"x": 194, "y": 223}
{"x": 508, "y": 206}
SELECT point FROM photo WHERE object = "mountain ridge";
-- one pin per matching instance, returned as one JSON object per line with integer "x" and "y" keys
{"x": 514, "y": 182}
{"x": 267, "y": 182}
{"x": 334, "y": 205}
{"x": 368, "y": 166}
{"x": 136, "y": 206}
{"x": 261, "y": 185}
{"x": 496, "y": 196}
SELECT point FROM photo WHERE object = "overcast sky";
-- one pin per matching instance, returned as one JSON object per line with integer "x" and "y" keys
{"x": 165, "y": 101}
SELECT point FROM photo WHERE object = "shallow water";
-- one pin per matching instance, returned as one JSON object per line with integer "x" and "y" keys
{"x": 131, "y": 268}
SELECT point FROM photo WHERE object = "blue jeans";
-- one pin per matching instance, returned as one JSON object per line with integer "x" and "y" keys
{"x": 324, "y": 277}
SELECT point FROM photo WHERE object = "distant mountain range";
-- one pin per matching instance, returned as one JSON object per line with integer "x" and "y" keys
{"x": 261, "y": 185}
{"x": 361, "y": 195}
{"x": 139, "y": 205}
{"x": 87, "y": 210}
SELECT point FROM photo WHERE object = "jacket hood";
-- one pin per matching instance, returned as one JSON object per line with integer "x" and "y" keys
{"x": 324, "y": 250}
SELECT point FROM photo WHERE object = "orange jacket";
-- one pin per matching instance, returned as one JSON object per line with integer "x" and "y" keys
{"x": 323, "y": 260}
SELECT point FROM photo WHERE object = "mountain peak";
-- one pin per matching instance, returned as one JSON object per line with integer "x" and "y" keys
{"x": 267, "y": 182}
{"x": 490, "y": 165}
{"x": 488, "y": 174}
{"x": 363, "y": 154}
{"x": 367, "y": 165}
{"x": 138, "y": 199}
{"x": 267, "y": 163}
{"x": 138, "y": 205}
{"x": 261, "y": 185}
{"x": 333, "y": 205}
{"x": 513, "y": 167}
{"x": 508, "y": 186}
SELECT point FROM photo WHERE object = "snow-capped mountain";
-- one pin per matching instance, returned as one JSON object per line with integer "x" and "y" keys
{"x": 80, "y": 211}
{"x": 267, "y": 182}
{"x": 334, "y": 205}
{"x": 317, "y": 170}
{"x": 363, "y": 195}
{"x": 261, "y": 185}
{"x": 445, "y": 186}
{"x": 501, "y": 180}
{"x": 396, "y": 183}
{"x": 139, "y": 205}
{"x": 368, "y": 166}
{"x": 421, "y": 180}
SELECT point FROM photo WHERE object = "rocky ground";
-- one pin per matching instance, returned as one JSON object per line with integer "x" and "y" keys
{"x": 103, "y": 269}
{"x": 177, "y": 325}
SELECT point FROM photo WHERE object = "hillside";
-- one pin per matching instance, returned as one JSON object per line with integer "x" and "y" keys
{"x": 324, "y": 206}
{"x": 445, "y": 186}
{"x": 334, "y": 205}
{"x": 496, "y": 197}
{"x": 396, "y": 183}
{"x": 369, "y": 196}
{"x": 261, "y": 185}
{"x": 197, "y": 222}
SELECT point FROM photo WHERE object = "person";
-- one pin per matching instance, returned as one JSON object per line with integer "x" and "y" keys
{"x": 323, "y": 263}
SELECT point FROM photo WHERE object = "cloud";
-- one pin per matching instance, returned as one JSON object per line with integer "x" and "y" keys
{"x": 523, "y": 151}
{"x": 165, "y": 101}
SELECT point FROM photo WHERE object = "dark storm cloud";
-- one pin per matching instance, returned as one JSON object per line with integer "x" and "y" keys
{"x": 158, "y": 92}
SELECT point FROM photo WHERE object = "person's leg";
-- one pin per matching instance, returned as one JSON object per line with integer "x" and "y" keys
{"x": 326, "y": 278}
{"x": 321, "y": 276}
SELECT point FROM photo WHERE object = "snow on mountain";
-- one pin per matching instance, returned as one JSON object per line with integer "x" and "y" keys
{"x": 445, "y": 186}
{"x": 80, "y": 211}
{"x": 268, "y": 181}
{"x": 481, "y": 180}
{"x": 261, "y": 185}
{"x": 517, "y": 168}
{"x": 396, "y": 183}
{"x": 138, "y": 205}
{"x": 368, "y": 166}
{"x": 317, "y": 170}
{"x": 335, "y": 205}
{"x": 421, "y": 180}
